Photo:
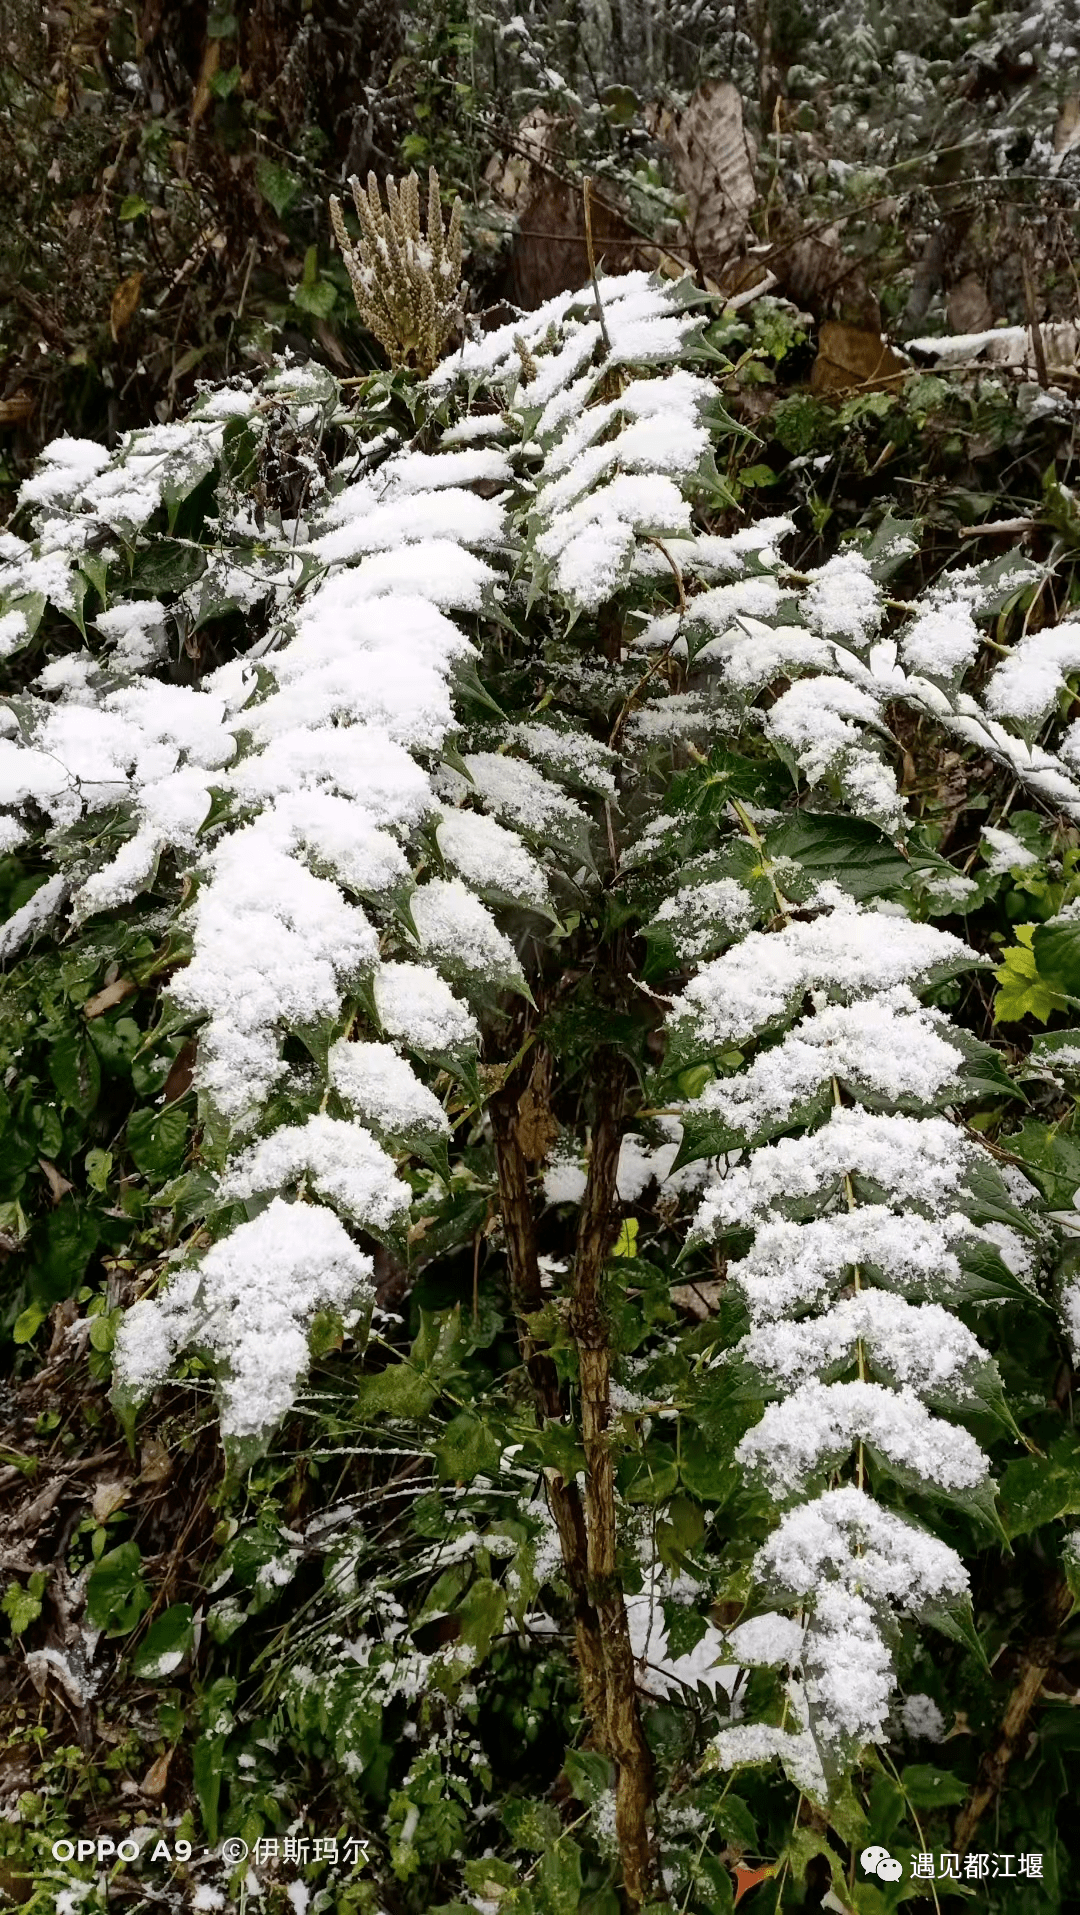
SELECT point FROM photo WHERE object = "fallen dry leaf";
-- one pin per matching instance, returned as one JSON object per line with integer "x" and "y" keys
{"x": 211, "y": 61}
{"x": 714, "y": 159}
{"x": 699, "y": 1300}
{"x": 16, "y": 410}
{"x": 124, "y": 304}
{"x": 182, "y": 1072}
{"x": 113, "y": 993}
{"x": 57, "y": 1184}
{"x": 108, "y": 1497}
{"x": 155, "y": 1464}
{"x": 1067, "y": 130}
{"x": 157, "y": 1775}
{"x": 850, "y": 357}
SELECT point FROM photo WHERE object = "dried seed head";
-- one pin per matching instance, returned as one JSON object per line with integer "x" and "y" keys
{"x": 406, "y": 282}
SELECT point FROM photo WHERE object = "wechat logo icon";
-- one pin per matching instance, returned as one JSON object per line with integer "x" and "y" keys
{"x": 877, "y": 1861}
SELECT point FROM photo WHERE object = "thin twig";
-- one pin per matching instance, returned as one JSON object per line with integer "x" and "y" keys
{"x": 586, "y": 192}
{"x": 998, "y": 528}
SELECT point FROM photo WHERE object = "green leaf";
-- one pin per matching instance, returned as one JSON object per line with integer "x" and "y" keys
{"x": 116, "y": 1595}
{"x": 22, "y": 1602}
{"x": 621, "y": 105}
{"x": 157, "y": 1140}
{"x": 75, "y": 1070}
{"x": 1052, "y": 1157}
{"x": 166, "y": 566}
{"x": 165, "y": 1644}
{"x": 206, "y": 1767}
{"x": 132, "y": 207}
{"x": 225, "y": 81}
{"x": 930, "y": 1788}
{"x": 98, "y": 1166}
{"x": 1024, "y": 990}
{"x": 28, "y": 1322}
{"x": 277, "y": 185}
{"x": 1056, "y": 948}
{"x": 856, "y": 855}
{"x": 399, "y": 1390}
{"x": 530, "y": 1824}
{"x": 560, "y": 1880}
{"x": 1056, "y": 1051}
{"x": 590, "y": 1774}
{"x": 651, "y": 1478}
{"x": 116, "y": 1041}
{"x": 239, "y": 452}
{"x": 481, "y": 1612}
{"x": 467, "y": 1447}
{"x": 63, "y": 1250}
{"x": 318, "y": 299}
{"x": 706, "y": 1472}
{"x": 1037, "y": 1490}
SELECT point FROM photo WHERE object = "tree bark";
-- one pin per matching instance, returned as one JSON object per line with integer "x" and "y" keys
{"x": 625, "y": 1735}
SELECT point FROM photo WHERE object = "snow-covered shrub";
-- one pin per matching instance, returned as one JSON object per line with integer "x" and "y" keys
{"x": 495, "y": 811}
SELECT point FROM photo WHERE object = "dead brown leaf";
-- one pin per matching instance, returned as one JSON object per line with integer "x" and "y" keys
{"x": 108, "y": 1497}
{"x": 111, "y": 994}
{"x": 180, "y": 1076}
{"x": 16, "y": 410}
{"x": 714, "y": 160}
{"x": 157, "y": 1775}
{"x": 211, "y": 61}
{"x": 124, "y": 304}
{"x": 968, "y": 305}
{"x": 155, "y": 1463}
{"x": 537, "y": 1128}
{"x": 851, "y": 358}
{"x": 57, "y": 1184}
{"x": 1067, "y": 130}
{"x": 699, "y": 1300}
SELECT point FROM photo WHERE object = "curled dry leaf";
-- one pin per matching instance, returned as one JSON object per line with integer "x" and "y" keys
{"x": 114, "y": 993}
{"x": 124, "y": 304}
{"x": 714, "y": 159}
{"x": 157, "y": 1775}
{"x": 57, "y": 1183}
{"x": 1067, "y": 130}
{"x": 17, "y": 409}
{"x": 699, "y": 1300}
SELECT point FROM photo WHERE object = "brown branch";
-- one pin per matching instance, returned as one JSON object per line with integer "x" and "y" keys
{"x": 1034, "y": 1669}
{"x": 588, "y": 1320}
{"x": 564, "y": 1498}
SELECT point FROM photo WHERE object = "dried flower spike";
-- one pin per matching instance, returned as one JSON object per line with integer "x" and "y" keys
{"x": 407, "y": 284}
